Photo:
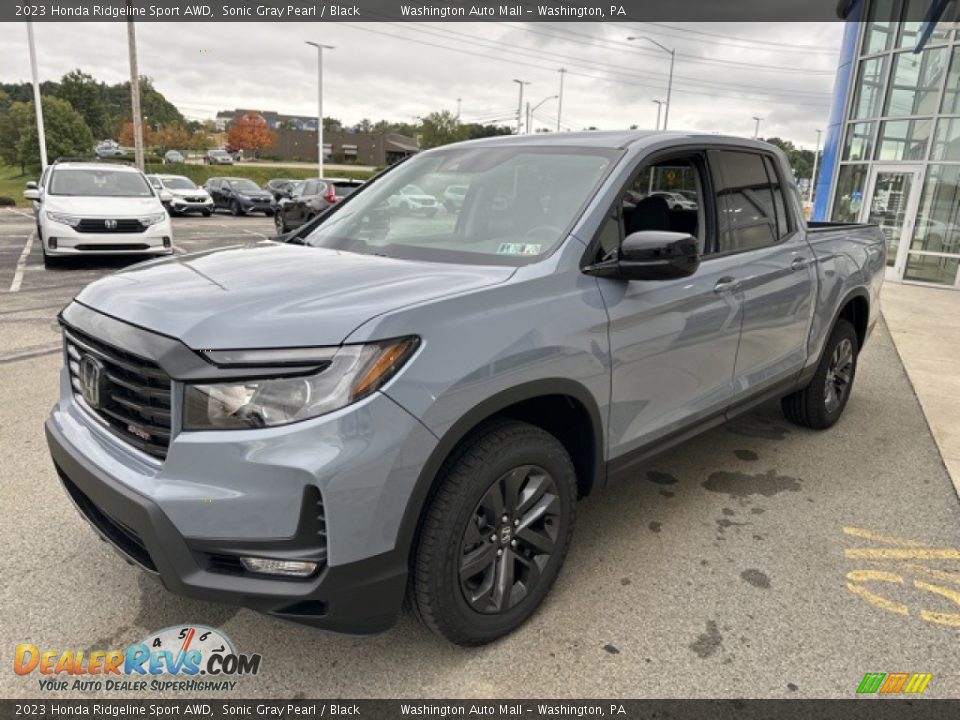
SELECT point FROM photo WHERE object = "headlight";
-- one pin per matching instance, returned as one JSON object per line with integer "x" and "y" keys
{"x": 63, "y": 218}
{"x": 241, "y": 196}
{"x": 148, "y": 220}
{"x": 346, "y": 374}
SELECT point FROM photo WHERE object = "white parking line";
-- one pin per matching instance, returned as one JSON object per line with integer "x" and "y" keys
{"x": 21, "y": 264}
{"x": 21, "y": 212}
{"x": 256, "y": 234}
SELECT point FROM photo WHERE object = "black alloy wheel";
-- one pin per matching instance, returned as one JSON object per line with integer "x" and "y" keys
{"x": 509, "y": 539}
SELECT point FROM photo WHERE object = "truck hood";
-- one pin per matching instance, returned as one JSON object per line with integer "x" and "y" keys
{"x": 270, "y": 295}
{"x": 102, "y": 207}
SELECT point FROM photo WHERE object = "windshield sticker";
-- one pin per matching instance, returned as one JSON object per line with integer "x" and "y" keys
{"x": 519, "y": 249}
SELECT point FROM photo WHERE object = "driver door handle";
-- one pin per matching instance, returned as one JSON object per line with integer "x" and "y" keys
{"x": 726, "y": 284}
{"x": 798, "y": 263}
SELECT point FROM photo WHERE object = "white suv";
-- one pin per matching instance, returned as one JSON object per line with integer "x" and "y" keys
{"x": 88, "y": 208}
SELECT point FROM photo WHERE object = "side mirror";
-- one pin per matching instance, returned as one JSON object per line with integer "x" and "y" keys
{"x": 31, "y": 193}
{"x": 32, "y": 185}
{"x": 165, "y": 196}
{"x": 652, "y": 255}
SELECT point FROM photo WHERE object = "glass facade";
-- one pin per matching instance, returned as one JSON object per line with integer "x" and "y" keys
{"x": 898, "y": 150}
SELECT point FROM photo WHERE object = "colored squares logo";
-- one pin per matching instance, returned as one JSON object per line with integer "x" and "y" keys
{"x": 894, "y": 683}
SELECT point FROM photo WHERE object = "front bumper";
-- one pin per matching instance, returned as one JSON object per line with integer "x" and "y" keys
{"x": 358, "y": 598}
{"x": 181, "y": 205}
{"x": 155, "y": 239}
{"x": 251, "y": 206}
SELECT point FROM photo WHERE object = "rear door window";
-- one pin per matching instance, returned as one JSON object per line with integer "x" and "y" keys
{"x": 746, "y": 206}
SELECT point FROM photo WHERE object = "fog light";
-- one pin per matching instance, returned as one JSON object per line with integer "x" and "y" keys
{"x": 166, "y": 242}
{"x": 290, "y": 568}
{"x": 52, "y": 243}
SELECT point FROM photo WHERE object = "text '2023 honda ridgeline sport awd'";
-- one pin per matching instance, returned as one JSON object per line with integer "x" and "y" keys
{"x": 406, "y": 404}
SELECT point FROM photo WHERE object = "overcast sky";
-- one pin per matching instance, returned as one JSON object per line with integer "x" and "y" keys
{"x": 725, "y": 73}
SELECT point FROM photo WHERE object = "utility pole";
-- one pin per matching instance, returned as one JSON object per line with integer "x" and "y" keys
{"x": 673, "y": 57}
{"x": 458, "y": 109}
{"x": 528, "y": 118}
{"x": 135, "y": 91}
{"x": 659, "y": 107}
{"x": 756, "y": 127}
{"x": 320, "y": 48}
{"x": 816, "y": 156}
{"x": 563, "y": 71}
{"x": 521, "y": 83}
{"x": 531, "y": 111}
{"x": 36, "y": 98}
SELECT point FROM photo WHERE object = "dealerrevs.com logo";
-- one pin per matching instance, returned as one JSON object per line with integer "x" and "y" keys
{"x": 187, "y": 658}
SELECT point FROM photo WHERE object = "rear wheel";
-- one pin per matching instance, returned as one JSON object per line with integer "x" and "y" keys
{"x": 496, "y": 533}
{"x": 821, "y": 403}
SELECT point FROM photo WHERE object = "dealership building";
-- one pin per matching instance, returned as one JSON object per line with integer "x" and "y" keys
{"x": 892, "y": 149}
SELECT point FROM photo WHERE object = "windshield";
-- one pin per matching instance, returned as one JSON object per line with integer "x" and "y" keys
{"x": 244, "y": 185}
{"x": 518, "y": 205}
{"x": 99, "y": 183}
{"x": 180, "y": 183}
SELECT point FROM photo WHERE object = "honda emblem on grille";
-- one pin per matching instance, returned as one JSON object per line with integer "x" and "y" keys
{"x": 110, "y": 224}
{"x": 91, "y": 379}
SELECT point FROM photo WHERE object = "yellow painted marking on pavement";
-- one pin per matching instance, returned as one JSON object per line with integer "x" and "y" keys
{"x": 939, "y": 574}
{"x": 903, "y": 553}
{"x": 878, "y": 575}
{"x": 878, "y": 601}
{"x": 888, "y": 539}
{"x": 951, "y": 619}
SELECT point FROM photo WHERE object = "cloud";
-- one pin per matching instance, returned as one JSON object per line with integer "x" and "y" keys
{"x": 725, "y": 73}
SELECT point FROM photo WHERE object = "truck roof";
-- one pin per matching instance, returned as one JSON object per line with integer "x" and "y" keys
{"x": 612, "y": 139}
{"x": 93, "y": 165}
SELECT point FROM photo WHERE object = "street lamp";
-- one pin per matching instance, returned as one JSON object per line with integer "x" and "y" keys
{"x": 532, "y": 110}
{"x": 521, "y": 83}
{"x": 756, "y": 128}
{"x": 816, "y": 156}
{"x": 320, "y": 48}
{"x": 673, "y": 57}
{"x": 659, "y": 107}
{"x": 37, "y": 105}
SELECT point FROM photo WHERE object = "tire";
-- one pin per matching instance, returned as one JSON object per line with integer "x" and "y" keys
{"x": 207, "y": 213}
{"x": 460, "y": 523}
{"x": 278, "y": 223}
{"x": 235, "y": 209}
{"x": 821, "y": 403}
{"x": 49, "y": 261}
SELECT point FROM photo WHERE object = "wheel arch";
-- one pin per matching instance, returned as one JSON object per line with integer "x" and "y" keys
{"x": 561, "y": 406}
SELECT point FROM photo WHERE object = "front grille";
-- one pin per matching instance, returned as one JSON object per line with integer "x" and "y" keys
{"x": 122, "y": 536}
{"x": 107, "y": 247}
{"x": 134, "y": 392}
{"x": 193, "y": 199}
{"x": 120, "y": 225}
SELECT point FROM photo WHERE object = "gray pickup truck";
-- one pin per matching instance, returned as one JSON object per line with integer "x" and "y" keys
{"x": 404, "y": 405}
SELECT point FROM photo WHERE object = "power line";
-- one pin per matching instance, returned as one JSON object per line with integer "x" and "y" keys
{"x": 788, "y": 47}
{"x": 614, "y": 69}
{"x": 765, "y": 98}
{"x": 617, "y": 45}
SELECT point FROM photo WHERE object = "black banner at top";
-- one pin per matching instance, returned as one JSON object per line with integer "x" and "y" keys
{"x": 427, "y": 10}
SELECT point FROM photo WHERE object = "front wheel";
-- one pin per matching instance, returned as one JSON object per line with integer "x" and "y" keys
{"x": 496, "y": 533}
{"x": 820, "y": 404}
{"x": 279, "y": 224}
{"x": 235, "y": 209}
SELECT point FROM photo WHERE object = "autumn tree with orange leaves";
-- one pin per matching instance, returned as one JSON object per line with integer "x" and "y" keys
{"x": 126, "y": 135}
{"x": 250, "y": 132}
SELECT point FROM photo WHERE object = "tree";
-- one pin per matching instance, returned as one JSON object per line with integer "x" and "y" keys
{"x": 801, "y": 161}
{"x": 250, "y": 132}
{"x": 364, "y": 126}
{"x": 331, "y": 123}
{"x": 126, "y": 138}
{"x": 86, "y": 95}
{"x": 13, "y": 122}
{"x": 171, "y": 137}
{"x": 66, "y": 133}
{"x": 441, "y": 128}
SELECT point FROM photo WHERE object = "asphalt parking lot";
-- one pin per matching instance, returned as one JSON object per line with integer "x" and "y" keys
{"x": 759, "y": 560}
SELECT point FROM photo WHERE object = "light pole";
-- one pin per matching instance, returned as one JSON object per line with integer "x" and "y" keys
{"x": 659, "y": 107}
{"x": 673, "y": 57}
{"x": 36, "y": 98}
{"x": 563, "y": 71}
{"x": 756, "y": 127}
{"x": 458, "y": 108}
{"x": 532, "y": 110}
{"x": 320, "y": 48}
{"x": 521, "y": 83}
{"x": 135, "y": 92}
{"x": 816, "y": 156}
